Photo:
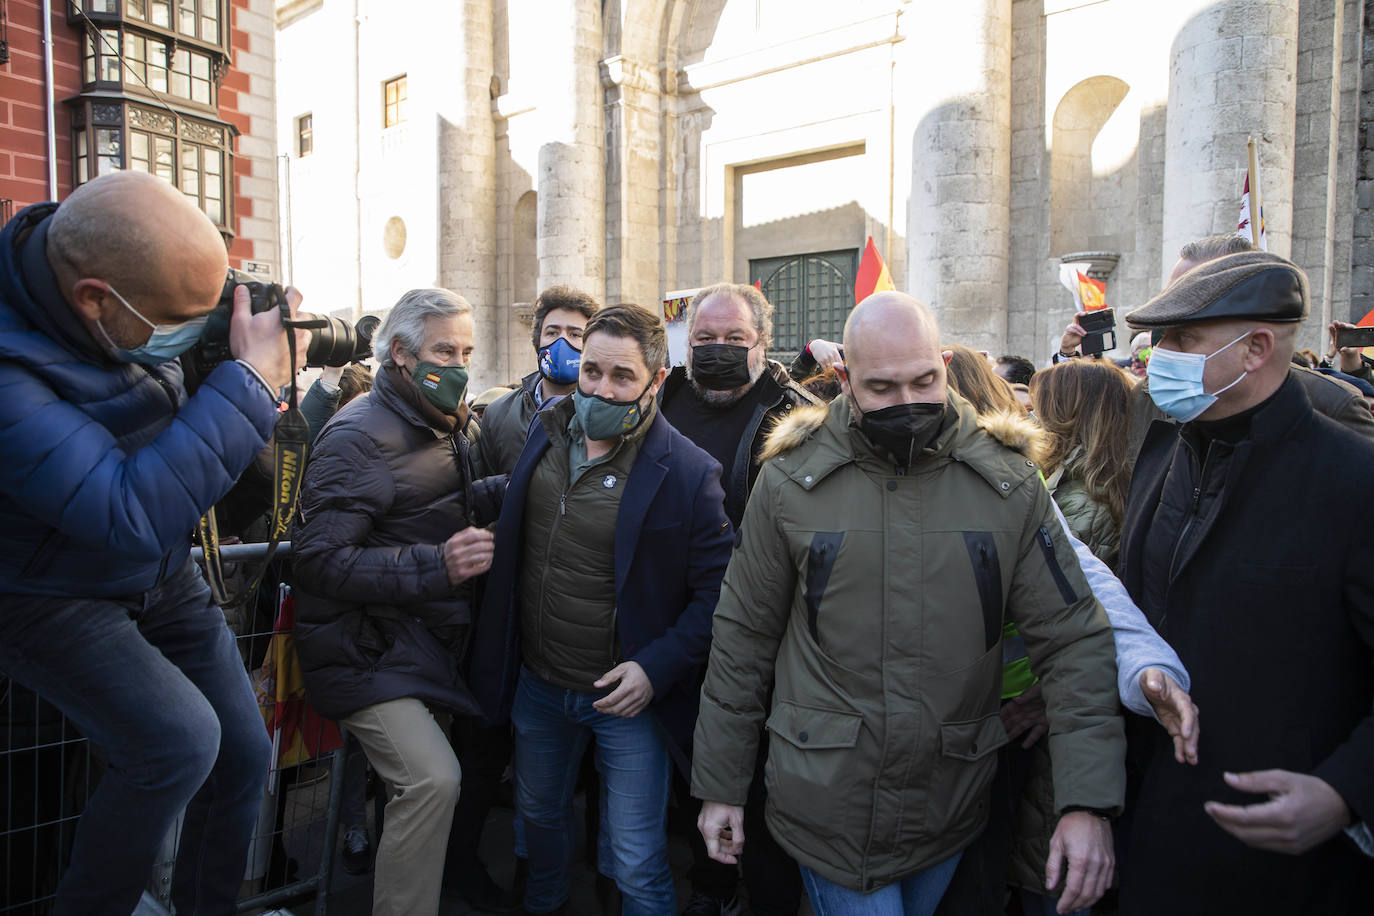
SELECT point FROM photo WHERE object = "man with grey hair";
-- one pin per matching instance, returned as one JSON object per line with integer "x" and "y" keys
{"x": 726, "y": 399}
{"x": 729, "y": 394}
{"x": 388, "y": 542}
{"x": 1276, "y": 630}
{"x": 1338, "y": 400}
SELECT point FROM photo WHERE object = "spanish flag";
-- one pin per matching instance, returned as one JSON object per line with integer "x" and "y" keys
{"x": 873, "y": 276}
{"x": 1092, "y": 293}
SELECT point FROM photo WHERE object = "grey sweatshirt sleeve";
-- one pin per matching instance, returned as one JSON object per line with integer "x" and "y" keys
{"x": 1138, "y": 646}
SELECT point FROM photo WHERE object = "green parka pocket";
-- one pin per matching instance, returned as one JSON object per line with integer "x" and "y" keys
{"x": 968, "y": 762}
{"x": 811, "y": 762}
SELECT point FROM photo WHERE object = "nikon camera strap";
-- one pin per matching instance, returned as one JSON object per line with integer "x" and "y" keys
{"x": 291, "y": 440}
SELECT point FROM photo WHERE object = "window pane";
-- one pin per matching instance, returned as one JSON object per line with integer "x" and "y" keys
{"x": 190, "y": 170}
{"x": 215, "y": 210}
{"x": 90, "y": 58}
{"x": 200, "y": 91}
{"x": 83, "y": 172}
{"x": 162, "y": 13}
{"x": 107, "y": 142}
{"x": 134, "y": 73}
{"x": 209, "y": 29}
{"x": 200, "y": 66}
{"x": 212, "y": 164}
{"x": 102, "y": 6}
{"x": 138, "y": 146}
{"x": 157, "y": 66}
{"x": 186, "y": 18}
{"x": 180, "y": 78}
{"x": 134, "y": 9}
{"x": 163, "y": 164}
{"x": 109, "y": 55}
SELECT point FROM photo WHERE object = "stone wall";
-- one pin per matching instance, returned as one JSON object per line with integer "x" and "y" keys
{"x": 1362, "y": 254}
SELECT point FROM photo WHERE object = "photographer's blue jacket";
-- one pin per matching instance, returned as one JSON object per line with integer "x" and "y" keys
{"x": 105, "y": 467}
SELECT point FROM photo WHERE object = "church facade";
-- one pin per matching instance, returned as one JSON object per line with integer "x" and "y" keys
{"x": 636, "y": 148}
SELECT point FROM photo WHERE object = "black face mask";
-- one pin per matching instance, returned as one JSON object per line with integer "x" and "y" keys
{"x": 903, "y": 429}
{"x": 720, "y": 367}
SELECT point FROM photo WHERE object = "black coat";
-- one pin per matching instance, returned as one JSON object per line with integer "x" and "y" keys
{"x": 1269, "y": 602}
{"x": 778, "y": 395}
{"x": 376, "y": 616}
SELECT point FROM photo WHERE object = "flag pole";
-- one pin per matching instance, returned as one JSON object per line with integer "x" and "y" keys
{"x": 1255, "y": 202}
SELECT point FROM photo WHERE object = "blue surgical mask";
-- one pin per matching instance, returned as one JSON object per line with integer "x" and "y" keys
{"x": 1176, "y": 381}
{"x": 167, "y": 342}
{"x": 559, "y": 362}
{"x": 602, "y": 418}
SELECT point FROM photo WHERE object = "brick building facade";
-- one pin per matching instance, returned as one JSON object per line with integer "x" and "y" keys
{"x": 182, "y": 88}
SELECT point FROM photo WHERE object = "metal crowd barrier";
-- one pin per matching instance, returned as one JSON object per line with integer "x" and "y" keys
{"x": 51, "y": 771}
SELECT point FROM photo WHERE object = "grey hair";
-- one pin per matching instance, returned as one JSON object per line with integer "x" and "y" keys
{"x": 406, "y": 320}
{"x": 759, "y": 307}
{"x": 1213, "y": 247}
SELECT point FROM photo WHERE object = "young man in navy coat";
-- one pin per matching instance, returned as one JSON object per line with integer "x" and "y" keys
{"x": 610, "y": 549}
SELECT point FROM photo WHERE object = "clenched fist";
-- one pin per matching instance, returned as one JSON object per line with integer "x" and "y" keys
{"x": 468, "y": 553}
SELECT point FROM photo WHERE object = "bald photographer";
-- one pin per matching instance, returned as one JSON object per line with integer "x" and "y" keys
{"x": 106, "y": 467}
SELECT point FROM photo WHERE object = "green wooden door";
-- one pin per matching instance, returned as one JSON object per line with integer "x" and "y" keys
{"x": 812, "y": 295}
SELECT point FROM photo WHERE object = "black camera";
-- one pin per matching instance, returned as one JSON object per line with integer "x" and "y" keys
{"x": 333, "y": 342}
{"x": 1100, "y": 325}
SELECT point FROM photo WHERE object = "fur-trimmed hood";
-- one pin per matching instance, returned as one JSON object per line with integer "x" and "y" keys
{"x": 792, "y": 430}
{"x": 1015, "y": 431}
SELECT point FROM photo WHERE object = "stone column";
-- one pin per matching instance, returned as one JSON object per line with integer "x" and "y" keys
{"x": 1231, "y": 76}
{"x": 467, "y": 185}
{"x": 572, "y": 169}
{"x": 959, "y": 57}
{"x": 633, "y": 157}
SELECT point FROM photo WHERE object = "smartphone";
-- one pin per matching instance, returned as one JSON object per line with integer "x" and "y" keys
{"x": 1101, "y": 327}
{"x": 1355, "y": 337}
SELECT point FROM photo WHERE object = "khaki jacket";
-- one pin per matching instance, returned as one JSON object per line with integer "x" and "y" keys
{"x": 870, "y": 604}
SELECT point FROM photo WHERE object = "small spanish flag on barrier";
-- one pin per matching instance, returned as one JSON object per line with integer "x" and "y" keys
{"x": 872, "y": 276}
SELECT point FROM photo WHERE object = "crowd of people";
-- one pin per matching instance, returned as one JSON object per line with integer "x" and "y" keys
{"x": 907, "y": 628}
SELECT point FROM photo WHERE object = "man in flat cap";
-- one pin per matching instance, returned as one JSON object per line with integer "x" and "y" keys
{"x": 1334, "y": 397}
{"x": 1229, "y": 548}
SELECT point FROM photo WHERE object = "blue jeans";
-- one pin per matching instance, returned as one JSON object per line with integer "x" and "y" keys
{"x": 914, "y": 895}
{"x": 552, "y": 728}
{"x": 155, "y": 682}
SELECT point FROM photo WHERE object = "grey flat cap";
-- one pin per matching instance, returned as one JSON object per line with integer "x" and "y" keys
{"x": 1250, "y": 284}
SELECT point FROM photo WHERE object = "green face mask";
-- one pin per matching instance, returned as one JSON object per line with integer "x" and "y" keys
{"x": 442, "y": 386}
{"x": 605, "y": 419}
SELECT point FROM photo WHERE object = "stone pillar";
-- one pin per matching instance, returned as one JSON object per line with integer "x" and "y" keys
{"x": 1230, "y": 77}
{"x": 467, "y": 185}
{"x": 959, "y": 55}
{"x": 633, "y": 157}
{"x": 572, "y": 168}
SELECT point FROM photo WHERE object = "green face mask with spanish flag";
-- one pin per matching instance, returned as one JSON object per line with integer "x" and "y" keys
{"x": 442, "y": 386}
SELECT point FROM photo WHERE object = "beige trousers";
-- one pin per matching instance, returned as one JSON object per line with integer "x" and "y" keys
{"x": 411, "y": 752}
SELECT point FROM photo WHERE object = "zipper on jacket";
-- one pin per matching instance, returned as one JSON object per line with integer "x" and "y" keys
{"x": 166, "y": 388}
{"x": 1192, "y": 513}
{"x": 1047, "y": 548}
